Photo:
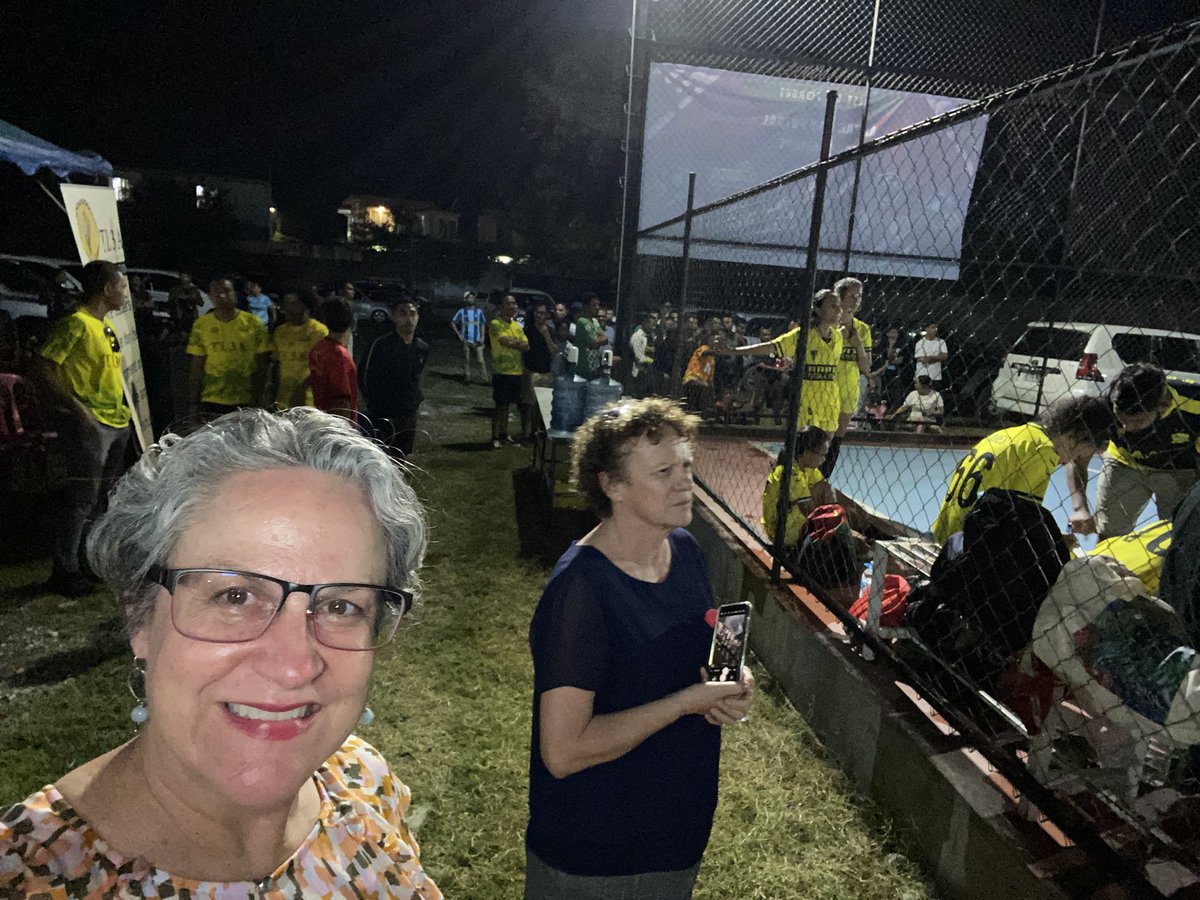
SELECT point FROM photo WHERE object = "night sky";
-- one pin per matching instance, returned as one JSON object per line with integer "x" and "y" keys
{"x": 417, "y": 98}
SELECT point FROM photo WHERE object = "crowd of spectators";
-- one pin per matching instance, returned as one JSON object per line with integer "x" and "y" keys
{"x": 247, "y": 351}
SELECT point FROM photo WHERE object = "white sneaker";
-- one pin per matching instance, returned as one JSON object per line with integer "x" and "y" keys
{"x": 495, "y": 444}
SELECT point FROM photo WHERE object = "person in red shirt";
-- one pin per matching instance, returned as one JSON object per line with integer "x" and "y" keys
{"x": 333, "y": 376}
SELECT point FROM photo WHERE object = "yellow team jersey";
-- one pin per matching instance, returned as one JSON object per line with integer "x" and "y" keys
{"x": 800, "y": 490}
{"x": 848, "y": 371}
{"x": 506, "y": 360}
{"x": 1017, "y": 459}
{"x": 230, "y": 350}
{"x": 289, "y": 347}
{"x": 86, "y": 350}
{"x": 1171, "y": 442}
{"x": 820, "y": 398}
{"x": 1142, "y": 552}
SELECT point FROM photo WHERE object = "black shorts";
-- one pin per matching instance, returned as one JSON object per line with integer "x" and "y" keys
{"x": 506, "y": 389}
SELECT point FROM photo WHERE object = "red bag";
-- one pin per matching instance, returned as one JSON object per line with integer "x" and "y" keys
{"x": 895, "y": 602}
{"x": 824, "y": 521}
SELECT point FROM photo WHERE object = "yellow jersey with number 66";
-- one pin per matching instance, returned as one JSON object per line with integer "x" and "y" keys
{"x": 1016, "y": 459}
{"x": 1142, "y": 552}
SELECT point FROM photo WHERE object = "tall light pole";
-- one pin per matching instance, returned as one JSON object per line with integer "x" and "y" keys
{"x": 633, "y": 37}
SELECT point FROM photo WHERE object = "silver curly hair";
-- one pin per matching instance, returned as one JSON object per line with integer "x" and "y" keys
{"x": 154, "y": 502}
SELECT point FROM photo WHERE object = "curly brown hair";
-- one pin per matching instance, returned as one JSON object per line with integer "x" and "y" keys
{"x": 603, "y": 441}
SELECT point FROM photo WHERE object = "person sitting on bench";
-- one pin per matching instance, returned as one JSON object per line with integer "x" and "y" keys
{"x": 924, "y": 407}
{"x": 807, "y": 490}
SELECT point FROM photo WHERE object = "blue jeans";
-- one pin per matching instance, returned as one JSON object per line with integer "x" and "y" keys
{"x": 95, "y": 457}
{"x": 542, "y": 882}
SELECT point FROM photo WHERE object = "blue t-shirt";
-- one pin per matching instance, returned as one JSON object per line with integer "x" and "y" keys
{"x": 261, "y": 307}
{"x": 629, "y": 642}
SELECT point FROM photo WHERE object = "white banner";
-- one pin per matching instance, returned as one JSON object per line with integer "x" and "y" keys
{"x": 93, "y": 215}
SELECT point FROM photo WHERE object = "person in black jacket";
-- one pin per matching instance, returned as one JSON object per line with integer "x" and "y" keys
{"x": 390, "y": 379}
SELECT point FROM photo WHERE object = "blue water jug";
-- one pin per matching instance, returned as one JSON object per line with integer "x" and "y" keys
{"x": 600, "y": 393}
{"x": 567, "y": 403}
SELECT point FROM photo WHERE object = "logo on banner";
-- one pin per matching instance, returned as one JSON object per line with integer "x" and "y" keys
{"x": 89, "y": 230}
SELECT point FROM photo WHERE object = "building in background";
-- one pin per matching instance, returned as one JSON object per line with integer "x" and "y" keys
{"x": 249, "y": 201}
{"x": 366, "y": 214}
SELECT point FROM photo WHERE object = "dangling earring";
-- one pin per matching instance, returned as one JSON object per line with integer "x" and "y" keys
{"x": 367, "y": 717}
{"x": 137, "y": 687}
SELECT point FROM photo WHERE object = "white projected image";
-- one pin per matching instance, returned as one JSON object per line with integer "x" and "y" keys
{"x": 736, "y": 131}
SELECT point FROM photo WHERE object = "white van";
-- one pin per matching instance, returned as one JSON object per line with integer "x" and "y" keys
{"x": 1080, "y": 358}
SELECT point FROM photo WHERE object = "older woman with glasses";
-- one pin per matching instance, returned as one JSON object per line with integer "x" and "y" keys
{"x": 626, "y": 730}
{"x": 260, "y": 561}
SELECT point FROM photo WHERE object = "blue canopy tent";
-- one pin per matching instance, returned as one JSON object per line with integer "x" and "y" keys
{"x": 31, "y": 153}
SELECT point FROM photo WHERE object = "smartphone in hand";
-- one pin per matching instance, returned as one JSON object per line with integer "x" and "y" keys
{"x": 730, "y": 637}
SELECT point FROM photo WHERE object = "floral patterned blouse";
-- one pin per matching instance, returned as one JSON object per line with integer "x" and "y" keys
{"x": 359, "y": 847}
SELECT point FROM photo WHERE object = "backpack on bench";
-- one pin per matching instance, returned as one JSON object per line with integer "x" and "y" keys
{"x": 978, "y": 608}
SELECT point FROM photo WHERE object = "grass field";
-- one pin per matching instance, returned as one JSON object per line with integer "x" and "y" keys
{"x": 452, "y": 696}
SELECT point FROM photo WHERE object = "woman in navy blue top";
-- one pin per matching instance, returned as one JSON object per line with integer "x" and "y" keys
{"x": 626, "y": 733}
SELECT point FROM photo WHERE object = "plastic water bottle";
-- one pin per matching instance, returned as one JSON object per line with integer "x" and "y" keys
{"x": 601, "y": 392}
{"x": 567, "y": 404}
{"x": 864, "y": 583}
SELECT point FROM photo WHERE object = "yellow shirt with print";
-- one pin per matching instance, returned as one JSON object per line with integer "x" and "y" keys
{"x": 1021, "y": 458}
{"x": 90, "y": 364}
{"x": 289, "y": 347}
{"x": 1174, "y": 440}
{"x": 506, "y": 360}
{"x": 230, "y": 350}
{"x": 800, "y": 490}
{"x": 820, "y": 397}
{"x": 1142, "y": 552}
{"x": 848, "y": 370}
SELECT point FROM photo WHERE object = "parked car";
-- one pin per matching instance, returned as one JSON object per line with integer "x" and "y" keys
{"x": 1059, "y": 359}
{"x": 21, "y": 289}
{"x": 524, "y": 297}
{"x": 159, "y": 283}
{"x": 46, "y": 267}
{"x": 369, "y": 307}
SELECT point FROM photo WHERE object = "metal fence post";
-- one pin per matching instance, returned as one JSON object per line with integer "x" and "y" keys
{"x": 680, "y": 345}
{"x": 788, "y": 458}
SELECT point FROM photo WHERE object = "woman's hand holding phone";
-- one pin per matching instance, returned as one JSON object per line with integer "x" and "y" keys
{"x": 731, "y": 708}
{"x": 701, "y": 699}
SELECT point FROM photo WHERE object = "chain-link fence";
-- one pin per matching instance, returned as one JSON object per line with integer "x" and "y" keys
{"x": 1029, "y": 269}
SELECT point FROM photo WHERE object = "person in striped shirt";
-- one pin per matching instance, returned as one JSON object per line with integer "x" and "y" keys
{"x": 469, "y": 327}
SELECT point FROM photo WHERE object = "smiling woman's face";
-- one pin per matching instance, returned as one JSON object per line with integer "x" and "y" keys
{"x": 248, "y": 723}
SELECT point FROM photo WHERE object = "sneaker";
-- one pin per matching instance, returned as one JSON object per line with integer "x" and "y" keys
{"x": 495, "y": 444}
{"x": 69, "y": 584}
{"x": 510, "y": 440}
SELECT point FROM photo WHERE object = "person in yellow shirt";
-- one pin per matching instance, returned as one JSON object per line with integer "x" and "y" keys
{"x": 229, "y": 350}
{"x": 78, "y": 370}
{"x": 820, "y": 394}
{"x": 508, "y": 342}
{"x": 855, "y": 361}
{"x": 1154, "y": 449}
{"x": 1024, "y": 457}
{"x": 1142, "y": 552}
{"x": 808, "y": 488}
{"x": 290, "y": 343}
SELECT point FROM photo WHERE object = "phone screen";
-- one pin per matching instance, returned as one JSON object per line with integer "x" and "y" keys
{"x": 730, "y": 635}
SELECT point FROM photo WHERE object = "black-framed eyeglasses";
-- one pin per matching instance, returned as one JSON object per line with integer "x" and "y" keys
{"x": 112, "y": 338}
{"x": 227, "y": 606}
